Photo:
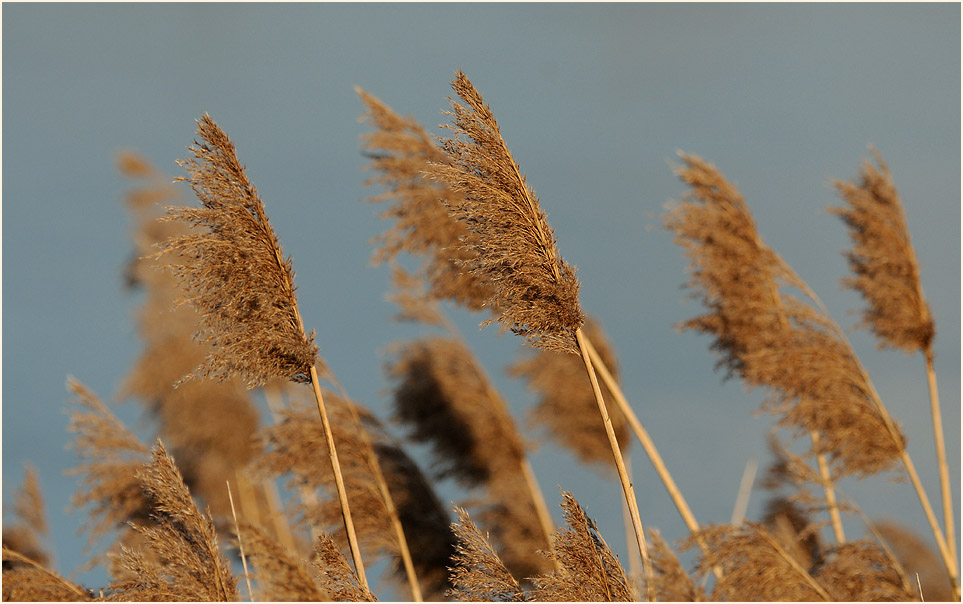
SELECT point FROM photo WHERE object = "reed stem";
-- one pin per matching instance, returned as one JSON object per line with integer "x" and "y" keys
{"x": 617, "y": 454}
{"x": 830, "y": 491}
{"x": 339, "y": 482}
{"x": 941, "y": 457}
{"x": 541, "y": 508}
{"x": 240, "y": 544}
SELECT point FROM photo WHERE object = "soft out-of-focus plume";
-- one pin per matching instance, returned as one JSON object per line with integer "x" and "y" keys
{"x": 512, "y": 247}
{"x": 769, "y": 338}
{"x": 400, "y": 151}
{"x": 111, "y": 457}
{"x": 566, "y": 404}
{"x": 754, "y": 566}
{"x": 293, "y": 446}
{"x": 917, "y": 557}
{"x": 233, "y": 271}
{"x": 187, "y": 563}
{"x": 446, "y": 399}
{"x": 280, "y": 577}
{"x": 335, "y": 574}
{"x": 883, "y": 261}
{"x": 670, "y": 583}
{"x": 27, "y": 533}
{"x": 861, "y": 571}
{"x": 589, "y": 571}
{"x": 793, "y": 530}
{"x": 478, "y": 573}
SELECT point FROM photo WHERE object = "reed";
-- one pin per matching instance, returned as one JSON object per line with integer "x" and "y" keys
{"x": 534, "y": 291}
{"x": 235, "y": 275}
{"x": 888, "y": 277}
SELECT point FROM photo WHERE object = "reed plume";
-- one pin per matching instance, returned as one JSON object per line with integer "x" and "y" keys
{"x": 670, "y": 582}
{"x": 236, "y": 277}
{"x": 234, "y": 273}
{"x": 589, "y": 572}
{"x": 861, "y": 571}
{"x": 888, "y": 277}
{"x": 883, "y": 261}
{"x": 754, "y": 566}
{"x": 280, "y": 577}
{"x": 445, "y": 397}
{"x": 111, "y": 456}
{"x": 478, "y": 573}
{"x": 917, "y": 559}
{"x": 334, "y": 573}
{"x": 534, "y": 291}
{"x": 815, "y": 381}
{"x": 189, "y": 564}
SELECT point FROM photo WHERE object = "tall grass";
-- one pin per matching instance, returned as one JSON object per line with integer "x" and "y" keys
{"x": 315, "y": 501}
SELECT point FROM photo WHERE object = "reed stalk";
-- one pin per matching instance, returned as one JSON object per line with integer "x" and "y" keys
{"x": 627, "y": 487}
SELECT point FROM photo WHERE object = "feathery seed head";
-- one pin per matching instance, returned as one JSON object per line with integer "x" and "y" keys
{"x": 512, "y": 248}
{"x": 883, "y": 261}
{"x": 232, "y": 270}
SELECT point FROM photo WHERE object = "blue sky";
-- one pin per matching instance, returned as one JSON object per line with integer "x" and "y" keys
{"x": 594, "y": 100}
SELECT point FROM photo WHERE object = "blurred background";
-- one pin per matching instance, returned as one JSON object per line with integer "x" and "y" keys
{"x": 594, "y": 101}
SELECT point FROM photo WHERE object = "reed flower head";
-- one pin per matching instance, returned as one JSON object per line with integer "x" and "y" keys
{"x": 883, "y": 260}
{"x": 280, "y": 576}
{"x": 754, "y": 566}
{"x": 446, "y": 398}
{"x": 234, "y": 273}
{"x": 512, "y": 247}
{"x": 590, "y": 572}
{"x": 188, "y": 564}
{"x": 478, "y": 573}
{"x": 770, "y": 338}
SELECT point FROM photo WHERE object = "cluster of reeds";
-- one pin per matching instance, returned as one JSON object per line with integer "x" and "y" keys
{"x": 222, "y": 330}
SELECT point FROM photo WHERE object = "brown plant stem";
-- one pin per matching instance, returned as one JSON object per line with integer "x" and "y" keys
{"x": 829, "y": 490}
{"x": 648, "y": 446}
{"x": 240, "y": 544}
{"x": 379, "y": 477}
{"x": 339, "y": 481}
{"x": 617, "y": 454}
{"x": 941, "y": 456}
{"x": 541, "y": 508}
{"x": 949, "y": 560}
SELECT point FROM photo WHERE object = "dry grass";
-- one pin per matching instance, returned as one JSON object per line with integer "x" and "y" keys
{"x": 223, "y": 319}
